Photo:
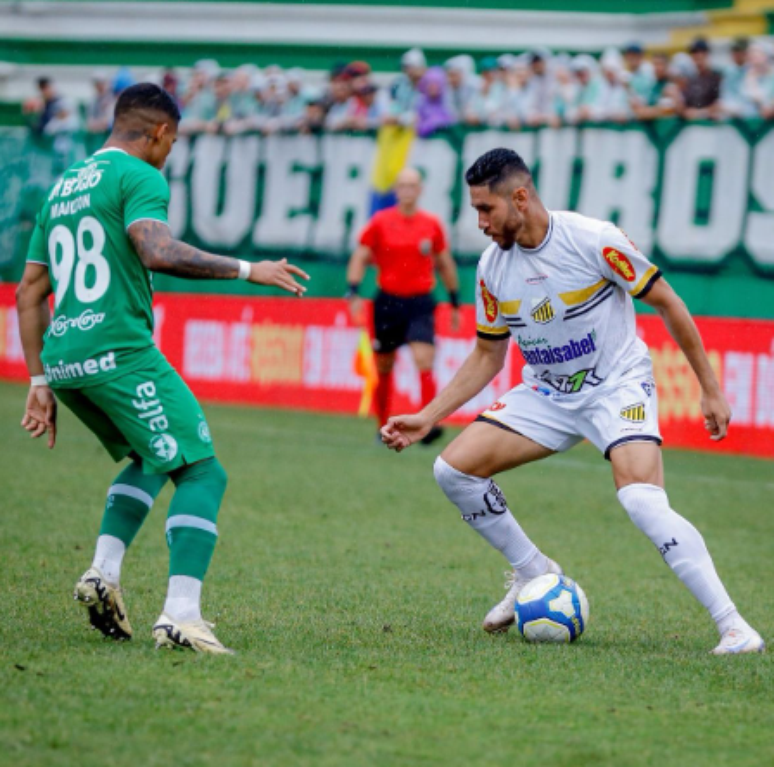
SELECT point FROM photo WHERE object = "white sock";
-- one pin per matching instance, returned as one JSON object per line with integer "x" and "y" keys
{"x": 108, "y": 557}
{"x": 683, "y": 549}
{"x": 184, "y": 598}
{"x": 483, "y": 507}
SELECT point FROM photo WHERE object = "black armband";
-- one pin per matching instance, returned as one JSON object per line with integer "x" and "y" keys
{"x": 353, "y": 289}
{"x": 454, "y": 298}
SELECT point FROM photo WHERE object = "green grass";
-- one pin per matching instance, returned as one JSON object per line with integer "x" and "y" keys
{"x": 354, "y": 595}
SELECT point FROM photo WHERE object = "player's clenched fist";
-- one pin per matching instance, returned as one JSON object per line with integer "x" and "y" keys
{"x": 401, "y": 431}
{"x": 717, "y": 415}
{"x": 278, "y": 274}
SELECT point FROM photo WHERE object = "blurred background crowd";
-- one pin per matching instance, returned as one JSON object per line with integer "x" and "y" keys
{"x": 507, "y": 91}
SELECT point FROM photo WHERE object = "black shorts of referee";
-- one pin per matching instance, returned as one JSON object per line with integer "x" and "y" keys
{"x": 402, "y": 320}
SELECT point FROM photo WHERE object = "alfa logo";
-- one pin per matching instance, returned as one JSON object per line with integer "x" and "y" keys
{"x": 619, "y": 263}
{"x": 164, "y": 446}
{"x": 543, "y": 313}
{"x": 490, "y": 302}
{"x": 634, "y": 413}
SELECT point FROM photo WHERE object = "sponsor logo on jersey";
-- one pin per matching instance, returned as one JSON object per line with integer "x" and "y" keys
{"x": 497, "y": 406}
{"x": 86, "y": 178}
{"x": 425, "y": 247}
{"x": 555, "y": 355}
{"x": 634, "y": 413}
{"x": 648, "y": 387}
{"x": 543, "y": 313}
{"x": 536, "y": 279}
{"x": 86, "y": 321}
{"x": 619, "y": 263}
{"x": 525, "y": 343}
{"x": 490, "y": 302}
{"x": 204, "y": 432}
{"x": 573, "y": 383}
{"x": 150, "y": 407}
{"x": 67, "y": 371}
{"x": 164, "y": 447}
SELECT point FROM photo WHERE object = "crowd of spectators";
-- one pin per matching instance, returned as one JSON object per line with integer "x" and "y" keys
{"x": 510, "y": 91}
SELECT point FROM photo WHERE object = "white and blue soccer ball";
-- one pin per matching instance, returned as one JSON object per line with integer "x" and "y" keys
{"x": 552, "y": 608}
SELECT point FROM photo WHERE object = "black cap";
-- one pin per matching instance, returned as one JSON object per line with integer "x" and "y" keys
{"x": 699, "y": 45}
{"x": 740, "y": 44}
{"x": 633, "y": 48}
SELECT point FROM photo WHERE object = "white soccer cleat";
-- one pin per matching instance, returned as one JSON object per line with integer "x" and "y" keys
{"x": 503, "y": 615}
{"x": 739, "y": 641}
{"x": 194, "y": 635}
{"x": 104, "y": 603}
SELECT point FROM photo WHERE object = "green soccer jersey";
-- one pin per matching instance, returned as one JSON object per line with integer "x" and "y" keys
{"x": 102, "y": 324}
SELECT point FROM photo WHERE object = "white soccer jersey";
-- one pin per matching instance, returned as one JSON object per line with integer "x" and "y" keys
{"x": 567, "y": 304}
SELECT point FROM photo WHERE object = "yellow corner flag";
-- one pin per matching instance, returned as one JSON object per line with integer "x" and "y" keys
{"x": 364, "y": 364}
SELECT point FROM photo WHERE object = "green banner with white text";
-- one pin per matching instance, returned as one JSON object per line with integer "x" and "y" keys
{"x": 698, "y": 198}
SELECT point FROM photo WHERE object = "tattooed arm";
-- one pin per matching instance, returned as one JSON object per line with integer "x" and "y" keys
{"x": 159, "y": 251}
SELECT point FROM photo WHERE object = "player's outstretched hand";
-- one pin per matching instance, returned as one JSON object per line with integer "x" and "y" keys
{"x": 40, "y": 414}
{"x": 717, "y": 414}
{"x": 401, "y": 431}
{"x": 279, "y": 274}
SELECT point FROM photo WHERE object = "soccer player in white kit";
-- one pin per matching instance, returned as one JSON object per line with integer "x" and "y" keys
{"x": 561, "y": 286}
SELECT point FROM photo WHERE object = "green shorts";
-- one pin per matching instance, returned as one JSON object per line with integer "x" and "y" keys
{"x": 150, "y": 412}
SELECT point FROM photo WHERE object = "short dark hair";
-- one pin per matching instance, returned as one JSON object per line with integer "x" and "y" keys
{"x": 146, "y": 97}
{"x": 44, "y": 82}
{"x": 495, "y": 167}
{"x": 699, "y": 45}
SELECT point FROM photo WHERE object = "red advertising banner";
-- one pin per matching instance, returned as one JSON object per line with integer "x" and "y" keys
{"x": 301, "y": 354}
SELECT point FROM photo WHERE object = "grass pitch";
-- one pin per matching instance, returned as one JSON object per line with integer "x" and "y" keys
{"x": 354, "y": 596}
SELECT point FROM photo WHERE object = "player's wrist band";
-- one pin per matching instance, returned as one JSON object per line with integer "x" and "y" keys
{"x": 244, "y": 269}
{"x": 454, "y": 298}
{"x": 38, "y": 381}
{"x": 353, "y": 289}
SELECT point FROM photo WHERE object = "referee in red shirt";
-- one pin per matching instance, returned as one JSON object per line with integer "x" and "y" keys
{"x": 406, "y": 245}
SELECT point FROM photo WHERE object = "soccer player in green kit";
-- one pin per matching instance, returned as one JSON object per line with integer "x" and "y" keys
{"x": 101, "y": 231}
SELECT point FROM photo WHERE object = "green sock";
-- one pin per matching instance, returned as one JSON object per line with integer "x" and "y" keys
{"x": 191, "y": 530}
{"x": 129, "y": 500}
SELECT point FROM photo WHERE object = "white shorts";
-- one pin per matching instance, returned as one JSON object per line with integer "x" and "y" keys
{"x": 626, "y": 412}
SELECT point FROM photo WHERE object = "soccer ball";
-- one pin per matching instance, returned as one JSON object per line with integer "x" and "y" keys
{"x": 552, "y": 608}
